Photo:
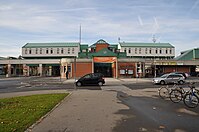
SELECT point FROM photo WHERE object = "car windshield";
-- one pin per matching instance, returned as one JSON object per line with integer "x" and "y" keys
{"x": 164, "y": 76}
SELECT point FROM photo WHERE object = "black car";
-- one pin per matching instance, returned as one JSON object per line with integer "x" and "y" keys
{"x": 91, "y": 79}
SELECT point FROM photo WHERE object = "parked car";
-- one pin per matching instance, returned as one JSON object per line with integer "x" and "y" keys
{"x": 195, "y": 74}
{"x": 182, "y": 73}
{"x": 169, "y": 78}
{"x": 91, "y": 79}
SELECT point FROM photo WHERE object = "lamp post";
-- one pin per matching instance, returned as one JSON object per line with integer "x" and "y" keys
{"x": 75, "y": 73}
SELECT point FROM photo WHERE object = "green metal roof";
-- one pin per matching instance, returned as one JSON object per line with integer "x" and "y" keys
{"x": 189, "y": 55}
{"x": 103, "y": 52}
{"x": 83, "y": 47}
{"x": 159, "y": 45}
{"x": 38, "y": 45}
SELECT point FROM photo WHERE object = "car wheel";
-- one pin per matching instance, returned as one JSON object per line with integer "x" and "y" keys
{"x": 181, "y": 82}
{"x": 100, "y": 83}
{"x": 162, "y": 82}
{"x": 79, "y": 84}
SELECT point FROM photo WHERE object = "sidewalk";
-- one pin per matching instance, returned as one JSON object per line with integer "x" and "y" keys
{"x": 84, "y": 111}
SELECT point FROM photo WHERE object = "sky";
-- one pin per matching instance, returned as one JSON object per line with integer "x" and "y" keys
{"x": 28, "y": 21}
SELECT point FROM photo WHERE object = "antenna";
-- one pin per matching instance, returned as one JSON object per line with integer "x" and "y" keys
{"x": 80, "y": 33}
{"x": 154, "y": 39}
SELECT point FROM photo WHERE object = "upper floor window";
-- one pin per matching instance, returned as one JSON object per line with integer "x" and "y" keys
{"x": 40, "y": 50}
{"x": 124, "y": 49}
{"x": 160, "y": 51}
{"x": 166, "y": 51}
{"x": 47, "y": 51}
{"x": 140, "y": 50}
{"x": 150, "y": 51}
{"x": 135, "y": 50}
{"x": 26, "y": 51}
{"x": 156, "y": 51}
{"x": 51, "y": 51}
{"x": 146, "y": 51}
{"x": 73, "y": 50}
{"x": 129, "y": 50}
{"x": 170, "y": 51}
{"x": 68, "y": 50}
{"x": 36, "y": 51}
{"x": 57, "y": 50}
{"x": 30, "y": 51}
{"x": 62, "y": 50}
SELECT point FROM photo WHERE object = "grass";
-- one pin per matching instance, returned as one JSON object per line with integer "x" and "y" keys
{"x": 18, "y": 113}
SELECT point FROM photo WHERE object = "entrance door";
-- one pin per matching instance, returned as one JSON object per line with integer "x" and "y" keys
{"x": 104, "y": 68}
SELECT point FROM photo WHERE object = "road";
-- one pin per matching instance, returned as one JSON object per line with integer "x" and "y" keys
{"x": 145, "y": 110}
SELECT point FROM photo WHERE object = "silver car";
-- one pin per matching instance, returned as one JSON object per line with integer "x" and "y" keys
{"x": 169, "y": 78}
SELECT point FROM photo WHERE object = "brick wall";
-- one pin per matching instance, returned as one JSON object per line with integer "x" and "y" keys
{"x": 101, "y": 46}
{"x": 82, "y": 69}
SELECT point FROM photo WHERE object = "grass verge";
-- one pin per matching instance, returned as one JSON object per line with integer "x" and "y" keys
{"x": 18, "y": 113}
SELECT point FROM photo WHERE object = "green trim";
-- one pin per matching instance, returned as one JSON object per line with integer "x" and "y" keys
{"x": 51, "y": 64}
{"x": 32, "y": 64}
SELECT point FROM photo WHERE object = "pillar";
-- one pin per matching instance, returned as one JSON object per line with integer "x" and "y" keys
{"x": 9, "y": 71}
{"x": 50, "y": 70}
{"x": 40, "y": 69}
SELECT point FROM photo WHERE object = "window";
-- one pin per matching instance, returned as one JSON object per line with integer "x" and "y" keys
{"x": 129, "y": 50}
{"x": 146, "y": 51}
{"x": 166, "y": 51}
{"x": 73, "y": 49}
{"x": 40, "y": 50}
{"x": 62, "y": 50}
{"x": 170, "y": 51}
{"x": 51, "y": 51}
{"x": 156, "y": 51}
{"x": 36, "y": 52}
{"x": 124, "y": 49}
{"x": 140, "y": 50}
{"x": 160, "y": 51}
{"x": 150, "y": 51}
{"x": 47, "y": 51}
{"x": 30, "y": 51}
{"x": 68, "y": 50}
{"x": 57, "y": 50}
{"x": 26, "y": 51}
{"x": 135, "y": 50}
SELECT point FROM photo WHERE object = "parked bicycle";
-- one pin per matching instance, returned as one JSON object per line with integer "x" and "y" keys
{"x": 164, "y": 91}
{"x": 190, "y": 97}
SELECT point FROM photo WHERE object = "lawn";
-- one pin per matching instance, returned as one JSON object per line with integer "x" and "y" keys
{"x": 18, "y": 113}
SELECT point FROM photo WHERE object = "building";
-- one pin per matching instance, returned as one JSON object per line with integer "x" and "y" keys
{"x": 112, "y": 60}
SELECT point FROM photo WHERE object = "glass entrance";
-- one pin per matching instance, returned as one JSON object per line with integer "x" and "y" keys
{"x": 104, "y": 68}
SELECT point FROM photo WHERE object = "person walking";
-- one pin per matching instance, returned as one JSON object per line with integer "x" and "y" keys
{"x": 66, "y": 74}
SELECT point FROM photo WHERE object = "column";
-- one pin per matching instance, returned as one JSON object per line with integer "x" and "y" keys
{"x": 9, "y": 71}
{"x": 50, "y": 70}
{"x": 40, "y": 69}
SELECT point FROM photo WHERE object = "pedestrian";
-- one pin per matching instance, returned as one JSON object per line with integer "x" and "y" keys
{"x": 66, "y": 74}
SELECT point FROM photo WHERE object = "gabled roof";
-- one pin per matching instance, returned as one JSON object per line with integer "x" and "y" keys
{"x": 62, "y": 44}
{"x": 103, "y": 52}
{"x": 189, "y": 55}
{"x": 152, "y": 45}
{"x": 101, "y": 41}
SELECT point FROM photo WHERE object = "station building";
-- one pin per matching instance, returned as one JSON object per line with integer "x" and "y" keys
{"x": 113, "y": 60}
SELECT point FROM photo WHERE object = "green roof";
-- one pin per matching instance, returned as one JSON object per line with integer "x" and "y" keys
{"x": 103, "y": 52}
{"x": 83, "y": 47}
{"x": 38, "y": 45}
{"x": 192, "y": 54}
{"x": 158, "y": 45}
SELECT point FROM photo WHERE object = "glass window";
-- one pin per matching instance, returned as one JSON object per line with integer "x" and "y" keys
{"x": 146, "y": 51}
{"x": 150, "y": 51}
{"x": 36, "y": 52}
{"x": 47, "y": 51}
{"x": 135, "y": 50}
{"x": 140, "y": 50}
{"x": 170, "y": 51}
{"x": 30, "y": 51}
{"x": 124, "y": 49}
{"x": 62, "y": 50}
{"x": 160, "y": 51}
{"x": 51, "y": 51}
{"x": 57, "y": 50}
{"x": 26, "y": 51}
{"x": 166, "y": 51}
{"x": 156, "y": 51}
{"x": 129, "y": 50}
{"x": 40, "y": 50}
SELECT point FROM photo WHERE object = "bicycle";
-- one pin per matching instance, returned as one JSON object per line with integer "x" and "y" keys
{"x": 165, "y": 91}
{"x": 191, "y": 98}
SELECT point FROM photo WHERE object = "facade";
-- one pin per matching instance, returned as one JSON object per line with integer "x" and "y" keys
{"x": 113, "y": 60}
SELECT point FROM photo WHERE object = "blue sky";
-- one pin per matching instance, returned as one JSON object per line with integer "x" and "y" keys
{"x": 171, "y": 21}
